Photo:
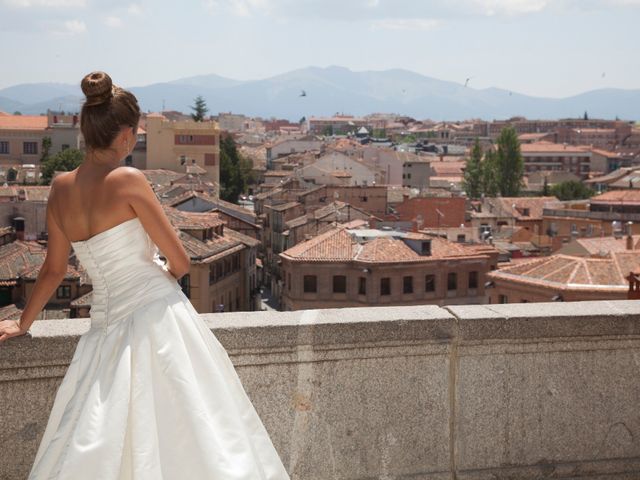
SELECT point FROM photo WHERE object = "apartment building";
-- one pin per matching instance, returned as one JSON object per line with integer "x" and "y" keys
{"x": 22, "y": 136}
{"x": 174, "y": 144}
{"x": 222, "y": 276}
{"x": 356, "y": 267}
{"x": 547, "y": 156}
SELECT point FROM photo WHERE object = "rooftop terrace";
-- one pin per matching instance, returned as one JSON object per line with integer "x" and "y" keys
{"x": 519, "y": 391}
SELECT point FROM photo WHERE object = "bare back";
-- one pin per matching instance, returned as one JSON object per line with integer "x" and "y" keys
{"x": 90, "y": 202}
{"x": 92, "y": 199}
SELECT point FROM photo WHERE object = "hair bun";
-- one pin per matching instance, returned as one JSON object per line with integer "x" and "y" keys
{"x": 97, "y": 87}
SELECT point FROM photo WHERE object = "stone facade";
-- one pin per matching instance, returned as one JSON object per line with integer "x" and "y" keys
{"x": 467, "y": 392}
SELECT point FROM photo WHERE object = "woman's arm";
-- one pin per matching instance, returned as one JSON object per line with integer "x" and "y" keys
{"x": 145, "y": 203}
{"x": 51, "y": 273}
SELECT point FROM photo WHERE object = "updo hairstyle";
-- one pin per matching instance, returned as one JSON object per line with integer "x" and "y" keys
{"x": 106, "y": 110}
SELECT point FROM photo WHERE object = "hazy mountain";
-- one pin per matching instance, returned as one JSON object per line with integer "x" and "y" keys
{"x": 338, "y": 89}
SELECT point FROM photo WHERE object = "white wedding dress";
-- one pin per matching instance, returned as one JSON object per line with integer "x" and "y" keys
{"x": 150, "y": 393}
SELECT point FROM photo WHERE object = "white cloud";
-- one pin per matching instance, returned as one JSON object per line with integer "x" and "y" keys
{"x": 45, "y": 3}
{"x": 70, "y": 27}
{"x": 240, "y": 8}
{"x": 113, "y": 22}
{"x": 134, "y": 9}
{"x": 405, "y": 24}
{"x": 511, "y": 7}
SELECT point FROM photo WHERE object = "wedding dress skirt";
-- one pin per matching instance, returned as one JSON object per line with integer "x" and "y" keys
{"x": 150, "y": 393}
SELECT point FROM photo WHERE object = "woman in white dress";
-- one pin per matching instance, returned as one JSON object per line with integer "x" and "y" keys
{"x": 150, "y": 393}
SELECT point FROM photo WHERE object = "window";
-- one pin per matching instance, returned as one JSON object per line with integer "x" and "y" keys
{"x": 362, "y": 286}
{"x": 503, "y": 299}
{"x": 407, "y": 284}
{"x": 385, "y": 286}
{"x": 461, "y": 238}
{"x": 310, "y": 284}
{"x": 4, "y": 148}
{"x": 339, "y": 284}
{"x": 30, "y": 148}
{"x": 473, "y": 280}
{"x": 426, "y": 247}
{"x": 185, "y": 284}
{"x": 452, "y": 281}
{"x": 429, "y": 283}
{"x": 64, "y": 291}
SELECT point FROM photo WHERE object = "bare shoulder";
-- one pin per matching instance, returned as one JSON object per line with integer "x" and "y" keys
{"x": 126, "y": 175}
{"x": 61, "y": 183}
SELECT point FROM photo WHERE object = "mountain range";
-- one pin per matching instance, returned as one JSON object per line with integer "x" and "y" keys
{"x": 335, "y": 89}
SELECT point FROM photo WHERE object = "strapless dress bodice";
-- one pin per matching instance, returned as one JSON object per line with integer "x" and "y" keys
{"x": 125, "y": 269}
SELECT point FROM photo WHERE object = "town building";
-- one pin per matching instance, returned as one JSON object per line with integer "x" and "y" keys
{"x": 172, "y": 145}
{"x": 223, "y": 275}
{"x": 22, "y": 138}
{"x": 613, "y": 213}
{"x": 355, "y": 267}
{"x": 564, "y": 278}
{"x": 547, "y": 156}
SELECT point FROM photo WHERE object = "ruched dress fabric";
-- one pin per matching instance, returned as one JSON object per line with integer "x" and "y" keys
{"x": 150, "y": 393}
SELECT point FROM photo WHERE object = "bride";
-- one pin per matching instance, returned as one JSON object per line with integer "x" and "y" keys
{"x": 150, "y": 393}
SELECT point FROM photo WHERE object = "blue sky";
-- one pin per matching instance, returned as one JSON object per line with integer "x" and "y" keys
{"x": 551, "y": 48}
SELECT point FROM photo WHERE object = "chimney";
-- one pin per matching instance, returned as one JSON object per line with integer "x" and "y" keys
{"x": 629, "y": 236}
{"x": 18, "y": 225}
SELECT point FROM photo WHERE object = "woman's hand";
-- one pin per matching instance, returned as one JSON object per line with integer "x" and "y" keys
{"x": 10, "y": 328}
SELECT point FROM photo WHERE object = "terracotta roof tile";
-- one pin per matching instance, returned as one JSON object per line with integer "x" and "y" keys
{"x": 618, "y": 196}
{"x": 23, "y": 122}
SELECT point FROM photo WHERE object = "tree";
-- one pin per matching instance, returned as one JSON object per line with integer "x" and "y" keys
{"x": 199, "y": 109}
{"x": 546, "y": 191}
{"x": 473, "y": 172}
{"x": 586, "y": 116}
{"x": 236, "y": 171}
{"x": 302, "y": 120}
{"x": 489, "y": 174}
{"x": 46, "y": 149}
{"x": 63, "y": 161}
{"x": 17, "y": 112}
{"x": 572, "y": 190}
{"x": 509, "y": 163}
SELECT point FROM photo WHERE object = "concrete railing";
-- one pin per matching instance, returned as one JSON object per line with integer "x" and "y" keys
{"x": 523, "y": 391}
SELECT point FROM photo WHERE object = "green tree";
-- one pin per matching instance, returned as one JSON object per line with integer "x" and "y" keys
{"x": 17, "y": 113}
{"x": 585, "y": 116}
{"x": 572, "y": 190}
{"x": 199, "y": 109}
{"x": 489, "y": 173}
{"x": 473, "y": 172}
{"x": 46, "y": 149}
{"x": 302, "y": 120}
{"x": 546, "y": 191}
{"x": 509, "y": 163}
{"x": 236, "y": 171}
{"x": 63, "y": 161}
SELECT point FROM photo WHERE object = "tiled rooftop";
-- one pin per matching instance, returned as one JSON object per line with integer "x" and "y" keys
{"x": 341, "y": 245}
{"x": 564, "y": 270}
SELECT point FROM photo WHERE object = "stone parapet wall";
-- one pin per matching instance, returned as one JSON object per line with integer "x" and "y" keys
{"x": 519, "y": 391}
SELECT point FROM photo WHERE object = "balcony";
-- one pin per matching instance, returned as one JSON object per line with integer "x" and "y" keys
{"x": 520, "y": 391}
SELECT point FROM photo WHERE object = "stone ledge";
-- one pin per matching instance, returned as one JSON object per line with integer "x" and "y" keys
{"x": 547, "y": 320}
{"x": 475, "y": 392}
